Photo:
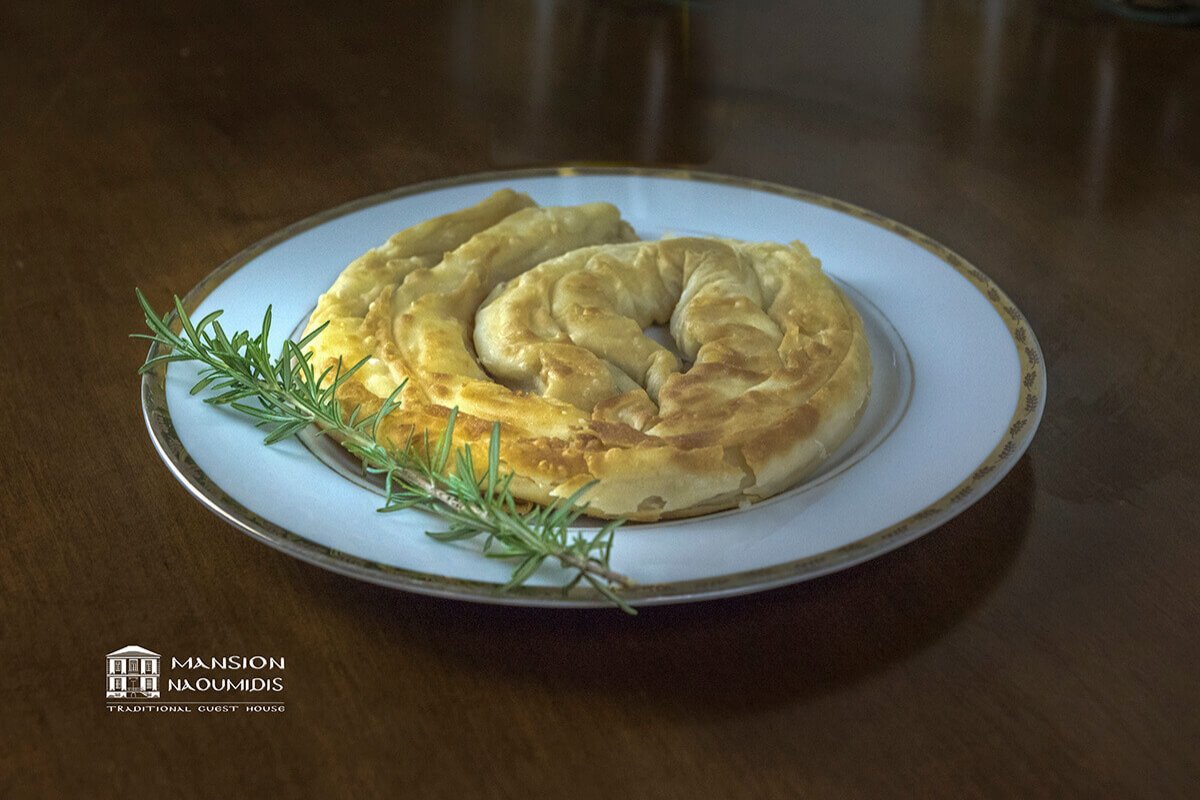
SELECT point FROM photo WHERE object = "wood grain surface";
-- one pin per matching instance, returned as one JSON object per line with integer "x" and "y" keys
{"x": 1044, "y": 643}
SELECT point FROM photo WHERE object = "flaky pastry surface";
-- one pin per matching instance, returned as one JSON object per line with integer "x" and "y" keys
{"x": 535, "y": 317}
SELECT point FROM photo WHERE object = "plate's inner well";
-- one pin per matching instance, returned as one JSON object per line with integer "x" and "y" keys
{"x": 891, "y": 393}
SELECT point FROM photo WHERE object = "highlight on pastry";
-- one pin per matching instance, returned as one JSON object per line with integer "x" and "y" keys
{"x": 536, "y": 318}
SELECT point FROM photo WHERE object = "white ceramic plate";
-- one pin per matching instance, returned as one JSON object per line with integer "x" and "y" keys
{"x": 957, "y": 392}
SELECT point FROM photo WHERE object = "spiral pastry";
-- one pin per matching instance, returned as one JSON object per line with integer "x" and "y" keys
{"x": 536, "y": 317}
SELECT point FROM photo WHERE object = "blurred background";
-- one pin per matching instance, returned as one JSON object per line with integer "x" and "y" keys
{"x": 675, "y": 82}
{"x": 831, "y": 95}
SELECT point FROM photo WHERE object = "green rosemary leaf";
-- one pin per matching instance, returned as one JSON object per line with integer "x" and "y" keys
{"x": 229, "y": 397}
{"x": 608, "y": 541}
{"x": 438, "y": 462}
{"x": 320, "y": 380}
{"x": 567, "y": 587}
{"x": 287, "y": 364}
{"x": 286, "y": 431}
{"x": 390, "y": 404}
{"x": 151, "y": 363}
{"x": 186, "y": 322}
{"x": 266, "y": 328}
{"x": 266, "y": 415}
{"x": 345, "y": 376}
{"x": 563, "y": 508}
{"x": 524, "y": 571}
{"x": 604, "y": 534}
{"x": 465, "y": 466}
{"x": 493, "y": 470}
{"x": 311, "y": 335}
{"x": 222, "y": 339}
{"x": 502, "y": 551}
{"x": 154, "y": 322}
{"x": 451, "y": 535}
{"x": 403, "y": 505}
{"x": 207, "y": 321}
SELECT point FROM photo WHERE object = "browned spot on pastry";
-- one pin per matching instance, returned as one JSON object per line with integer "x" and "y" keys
{"x": 618, "y": 434}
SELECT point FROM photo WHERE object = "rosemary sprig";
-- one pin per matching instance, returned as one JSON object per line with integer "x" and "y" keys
{"x": 285, "y": 395}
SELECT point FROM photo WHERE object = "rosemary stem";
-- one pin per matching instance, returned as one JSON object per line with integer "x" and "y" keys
{"x": 596, "y": 568}
{"x": 292, "y": 396}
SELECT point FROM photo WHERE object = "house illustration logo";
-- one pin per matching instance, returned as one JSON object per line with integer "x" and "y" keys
{"x": 132, "y": 672}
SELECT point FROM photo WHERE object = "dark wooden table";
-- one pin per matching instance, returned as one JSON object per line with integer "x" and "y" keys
{"x": 1045, "y": 642}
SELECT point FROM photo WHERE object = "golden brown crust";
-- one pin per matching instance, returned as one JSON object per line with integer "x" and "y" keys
{"x": 534, "y": 319}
